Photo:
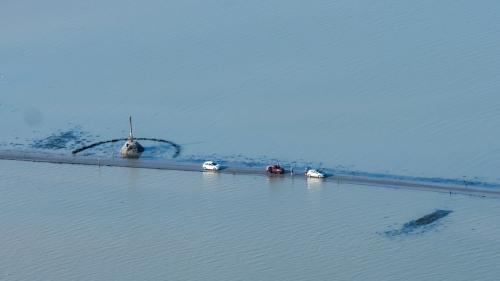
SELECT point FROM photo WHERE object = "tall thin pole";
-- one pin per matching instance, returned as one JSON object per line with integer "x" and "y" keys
{"x": 131, "y": 136}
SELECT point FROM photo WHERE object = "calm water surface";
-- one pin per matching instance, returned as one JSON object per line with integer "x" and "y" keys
{"x": 386, "y": 87}
{"x": 406, "y": 88}
{"x": 89, "y": 223}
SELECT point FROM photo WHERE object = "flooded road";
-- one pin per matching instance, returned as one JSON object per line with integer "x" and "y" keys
{"x": 482, "y": 189}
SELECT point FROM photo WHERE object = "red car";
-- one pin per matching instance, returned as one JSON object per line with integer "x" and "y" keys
{"x": 275, "y": 169}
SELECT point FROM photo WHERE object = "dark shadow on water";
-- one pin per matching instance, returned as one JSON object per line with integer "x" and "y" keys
{"x": 420, "y": 225}
{"x": 428, "y": 219}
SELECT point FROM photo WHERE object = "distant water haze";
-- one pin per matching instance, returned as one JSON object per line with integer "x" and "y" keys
{"x": 388, "y": 87}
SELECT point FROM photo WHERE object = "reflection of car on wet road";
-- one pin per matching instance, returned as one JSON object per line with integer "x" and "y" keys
{"x": 275, "y": 169}
{"x": 210, "y": 165}
{"x": 314, "y": 174}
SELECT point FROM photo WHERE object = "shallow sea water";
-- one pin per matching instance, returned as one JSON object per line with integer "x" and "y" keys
{"x": 70, "y": 222}
{"x": 398, "y": 88}
{"x": 391, "y": 88}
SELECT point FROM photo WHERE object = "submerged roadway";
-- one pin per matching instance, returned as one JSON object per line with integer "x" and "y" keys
{"x": 491, "y": 190}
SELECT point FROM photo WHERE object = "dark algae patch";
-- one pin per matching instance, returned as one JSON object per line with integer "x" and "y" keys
{"x": 420, "y": 225}
{"x": 62, "y": 140}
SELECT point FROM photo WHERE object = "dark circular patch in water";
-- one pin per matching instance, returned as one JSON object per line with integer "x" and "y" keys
{"x": 173, "y": 144}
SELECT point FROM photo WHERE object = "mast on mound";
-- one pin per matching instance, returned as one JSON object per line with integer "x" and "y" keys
{"x": 131, "y": 148}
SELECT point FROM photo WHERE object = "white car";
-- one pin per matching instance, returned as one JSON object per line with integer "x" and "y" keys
{"x": 314, "y": 174}
{"x": 210, "y": 165}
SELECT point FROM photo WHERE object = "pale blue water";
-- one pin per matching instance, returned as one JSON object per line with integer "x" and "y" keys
{"x": 89, "y": 223}
{"x": 388, "y": 87}
{"x": 404, "y": 88}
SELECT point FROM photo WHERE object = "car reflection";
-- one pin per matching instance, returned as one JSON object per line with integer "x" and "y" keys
{"x": 314, "y": 184}
{"x": 210, "y": 177}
